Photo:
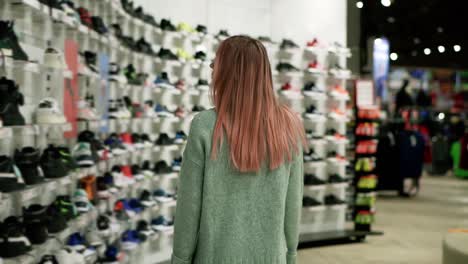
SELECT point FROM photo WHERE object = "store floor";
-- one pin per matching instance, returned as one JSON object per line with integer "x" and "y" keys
{"x": 414, "y": 228}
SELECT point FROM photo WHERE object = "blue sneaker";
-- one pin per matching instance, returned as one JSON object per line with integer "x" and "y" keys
{"x": 162, "y": 111}
{"x": 112, "y": 254}
{"x": 77, "y": 242}
{"x": 161, "y": 224}
{"x": 162, "y": 81}
{"x": 177, "y": 164}
{"x": 130, "y": 240}
{"x": 135, "y": 206}
{"x": 180, "y": 137}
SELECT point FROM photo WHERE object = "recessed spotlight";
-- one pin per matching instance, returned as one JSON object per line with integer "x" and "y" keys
{"x": 359, "y": 4}
{"x": 393, "y": 56}
{"x": 441, "y": 116}
{"x": 440, "y": 29}
{"x": 457, "y": 48}
{"x": 386, "y": 3}
{"x": 377, "y": 40}
{"x": 427, "y": 51}
{"x": 414, "y": 53}
{"x": 391, "y": 20}
{"x": 416, "y": 40}
{"x": 441, "y": 49}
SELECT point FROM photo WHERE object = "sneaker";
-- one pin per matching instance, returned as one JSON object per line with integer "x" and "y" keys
{"x": 162, "y": 81}
{"x": 144, "y": 230}
{"x": 103, "y": 192}
{"x": 335, "y": 178}
{"x": 203, "y": 85}
{"x": 167, "y": 54}
{"x": 146, "y": 169}
{"x": 115, "y": 74}
{"x": 13, "y": 241}
{"x": 130, "y": 240}
{"x": 143, "y": 46}
{"x": 161, "y": 167}
{"x": 127, "y": 141}
{"x": 147, "y": 142}
{"x": 86, "y": 112}
{"x": 286, "y": 67}
{"x": 146, "y": 199}
{"x": 127, "y": 172}
{"x": 185, "y": 27}
{"x": 54, "y": 59}
{"x": 52, "y": 4}
{"x": 67, "y": 158}
{"x": 265, "y": 39}
{"x": 162, "y": 196}
{"x": 91, "y": 61}
{"x": 56, "y": 220}
{"x": 312, "y": 180}
{"x": 310, "y": 89}
{"x": 93, "y": 239}
{"x": 180, "y": 112}
{"x": 49, "y": 259}
{"x": 69, "y": 255}
{"x": 339, "y": 92}
{"x": 10, "y": 100}
{"x": 76, "y": 242}
{"x": 135, "y": 206}
{"x": 108, "y": 179}
{"x": 66, "y": 207}
{"x": 98, "y": 25}
{"x": 68, "y": 8}
{"x": 115, "y": 144}
{"x": 27, "y": 161}
{"x": 222, "y": 34}
{"x": 167, "y": 25}
{"x": 9, "y": 43}
{"x": 85, "y": 17}
{"x": 180, "y": 137}
{"x": 137, "y": 173}
{"x": 313, "y": 114}
{"x": 184, "y": 55}
{"x": 81, "y": 201}
{"x": 123, "y": 211}
{"x": 112, "y": 255}
{"x": 48, "y": 112}
{"x": 35, "y": 222}
{"x": 310, "y": 202}
{"x": 164, "y": 140}
{"x": 313, "y": 43}
{"x": 98, "y": 150}
{"x": 200, "y": 56}
{"x": 83, "y": 155}
{"x": 333, "y": 200}
{"x": 137, "y": 141}
{"x": 103, "y": 226}
{"x": 288, "y": 44}
{"x": 10, "y": 176}
{"x": 162, "y": 111}
{"x": 148, "y": 109}
{"x": 88, "y": 184}
{"x": 177, "y": 164}
{"x": 161, "y": 224}
{"x": 311, "y": 156}
{"x": 197, "y": 108}
{"x": 201, "y": 29}
{"x": 52, "y": 163}
{"x": 314, "y": 67}
{"x": 120, "y": 179}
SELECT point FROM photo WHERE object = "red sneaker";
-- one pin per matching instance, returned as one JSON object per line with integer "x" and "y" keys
{"x": 286, "y": 87}
{"x": 127, "y": 171}
{"x": 313, "y": 43}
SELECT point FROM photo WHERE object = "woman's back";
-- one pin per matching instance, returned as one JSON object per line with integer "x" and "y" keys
{"x": 225, "y": 216}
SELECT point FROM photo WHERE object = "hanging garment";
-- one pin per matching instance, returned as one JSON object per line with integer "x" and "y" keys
{"x": 387, "y": 164}
{"x": 440, "y": 155}
{"x": 411, "y": 154}
{"x": 455, "y": 151}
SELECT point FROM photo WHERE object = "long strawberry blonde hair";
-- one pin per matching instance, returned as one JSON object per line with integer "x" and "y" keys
{"x": 258, "y": 128}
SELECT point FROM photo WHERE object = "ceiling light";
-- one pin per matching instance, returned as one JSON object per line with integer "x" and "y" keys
{"x": 393, "y": 56}
{"x": 456, "y": 48}
{"x": 414, "y": 53}
{"x": 359, "y": 4}
{"x": 441, "y": 49}
{"x": 377, "y": 41}
{"x": 416, "y": 40}
{"x": 427, "y": 51}
{"x": 440, "y": 29}
{"x": 441, "y": 116}
{"x": 386, "y": 3}
{"x": 391, "y": 20}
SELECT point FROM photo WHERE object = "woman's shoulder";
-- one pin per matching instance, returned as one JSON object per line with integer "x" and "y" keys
{"x": 204, "y": 121}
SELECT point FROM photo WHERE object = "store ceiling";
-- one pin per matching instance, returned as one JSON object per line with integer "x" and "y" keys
{"x": 415, "y": 25}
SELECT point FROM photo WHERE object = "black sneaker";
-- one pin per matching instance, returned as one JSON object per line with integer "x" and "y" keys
{"x": 311, "y": 156}
{"x": 144, "y": 229}
{"x": 146, "y": 199}
{"x": 10, "y": 176}
{"x": 48, "y": 259}
{"x": 167, "y": 25}
{"x": 311, "y": 180}
{"x": 164, "y": 140}
{"x": 265, "y": 39}
{"x": 10, "y": 100}
{"x": 161, "y": 167}
{"x": 89, "y": 137}
{"x": 286, "y": 67}
{"x": 98, "y": 25}
{"x": 56, "y": 221}
{"x": 310, "y": 202}
{"x": 67, "y": 158}
{"x": 288, "y": 44}
{"x": 117, "y": 30}
{"x": 52, "y": 163}
{"x": 222, "y": 34}
{"x": 144, "y": 47}
{"x": 103, "y": 225}
{"x": 333, "y": 200}
{"x": 200, "y": 55}
{"x": 201, "y": 29}
{"x": 52, "y": 4}
{"x": 13, "y": 242}
{"x": 91, "y": 60}
{"x": 66, "y": 207}
{"x": 311, "y": 87}
{"x": 131, "y": 74}
{"x": 197, "y": 108}
{"x": 9, "y": 44}
{"x": 35, "y": 222}
{"x": 27, "y": 160}
{"x": 335, "y": 178}
{"x": 167, "y": 54}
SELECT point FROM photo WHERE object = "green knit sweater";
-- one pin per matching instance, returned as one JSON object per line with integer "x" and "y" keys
{"x": 227, "y": 217}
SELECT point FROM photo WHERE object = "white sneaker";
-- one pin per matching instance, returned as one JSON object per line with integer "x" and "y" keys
{"x": 54, "y": 59}
{"x": 69, "y": 256}
{"x": 48, "y": 112}
{"x": 85, "y": 112}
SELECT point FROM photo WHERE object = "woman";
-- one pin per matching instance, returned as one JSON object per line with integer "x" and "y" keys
{"x": 240, "y": 189}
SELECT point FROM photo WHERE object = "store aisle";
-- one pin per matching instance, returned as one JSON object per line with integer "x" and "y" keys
{"x": 413, "y": 228}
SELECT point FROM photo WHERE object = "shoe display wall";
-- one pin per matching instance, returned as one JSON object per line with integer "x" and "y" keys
{"x": 108, "y": 194}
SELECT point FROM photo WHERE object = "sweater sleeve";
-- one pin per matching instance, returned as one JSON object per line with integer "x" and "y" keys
{"x": 189, "y": 198}
{"x": 293, "y": 208}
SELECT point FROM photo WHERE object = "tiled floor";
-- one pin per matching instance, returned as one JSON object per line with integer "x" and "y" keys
{"x": 413, "y": 228}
